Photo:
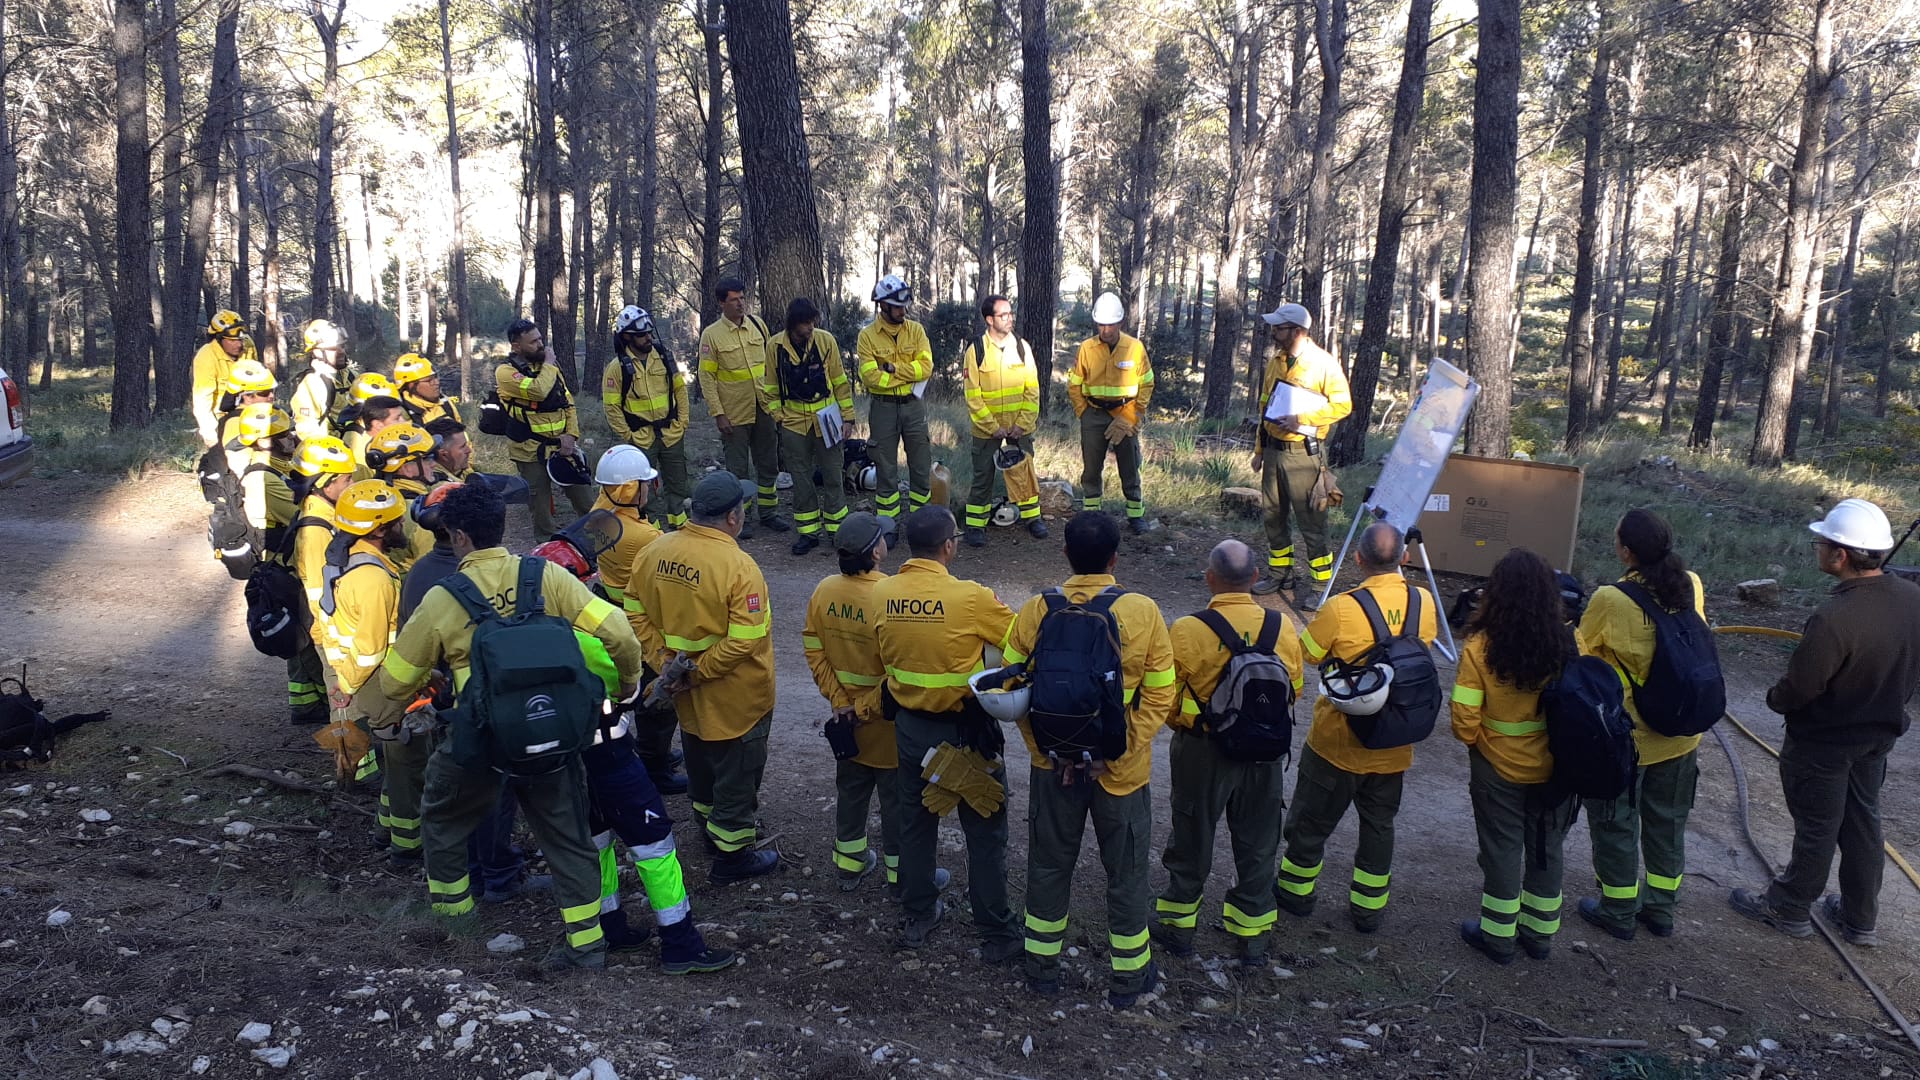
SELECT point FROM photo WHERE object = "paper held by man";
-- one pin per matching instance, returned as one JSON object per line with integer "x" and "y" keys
{"x": 1291, "y": 400}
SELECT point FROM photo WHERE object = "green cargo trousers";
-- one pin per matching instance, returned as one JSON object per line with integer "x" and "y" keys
{"x": 816, "y": 507}
{"x": 1833, "y": 794}
{"x": 1287, "y": 476}
{"x": 1093, "y": 462}
{"x": 653, "y": 735}
{"x": 455, "y": 799}
{"x": 1522, "y": 830}
{"x": 1206, "y": 785}
{"x": 675, "y": 490}
{"x": 540, "y": 498}
{"x": 856, "y": 784}
{"x": 1123, "y": 828}
{"x": 986, "y": 478}
{"x": 403, "y": 772}
{"x": 1650, "y": 819}
{"x": 916, "y": 733}
{"x": 723, "y": 781}
{"x": 307, "y": 687}
{"x": 760, "y": 442}
{"x": 1321, "y": 794}
{"x": 892, "y": 420}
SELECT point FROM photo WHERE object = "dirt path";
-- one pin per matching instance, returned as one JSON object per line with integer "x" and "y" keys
{"x": 189, "y": 933}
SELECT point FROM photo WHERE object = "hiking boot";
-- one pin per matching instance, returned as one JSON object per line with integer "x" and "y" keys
{"x": 1535, "y": 948}
{"x": 741, "y": 865}
{"x": 1254, "y": 961}
{"x": 1128, "y": 1000}
{"x": 746, "y": 528}
{"x": 1657, "y": 926}
{"x": 622, "y": 936}
{"x": 976, "y": 537}
{"x": 774, "y": 522}
{"x": 1037, "y": 529}
{"x": 915, "y": 932}
{"x": 1834, "y": 909}
{"x": 1471, "y": 933}
{"x": 1306, "y": 599}
{"x": 1300, "y": 907}
{"x": 1043, "y": 987}
{"x": 1001, "y": 950}
{"x": 562, "y": 959}
{"x": 1171, "y": 940}
{"x": 527, "y": 883}
{"x": 1365, "y": 922}
{"x": 1267, "y": 586}
{"x": 1757, "y": 907}
{"x": 1589, "y": 909}
{"x": 941, "y": 879}
{"x": 804, "y": 543}
{"x": 670, "y": 784}
{"x": 1140, "y": 527}
{"x": 707, "y": 962}
{"x": 851, "y": 879}
{"x": 405, "y": 857}
{"x": 316, "y": 718}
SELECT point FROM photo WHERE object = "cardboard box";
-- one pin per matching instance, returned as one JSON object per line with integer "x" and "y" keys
{"x": 1481, "y": 508}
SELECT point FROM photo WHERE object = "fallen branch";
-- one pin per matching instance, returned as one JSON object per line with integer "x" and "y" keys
{"x": 183, "y": 761}
{"x": 1705, "y": 1000}
{"x": 1534, "y": 1020}
{"x": 1599, "y": 957}
{"x": 1583, "y": 1040}
{"x": 266, "y": 777}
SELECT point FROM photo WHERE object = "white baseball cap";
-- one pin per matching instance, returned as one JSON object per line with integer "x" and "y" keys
{"x": 1289, "y": 315}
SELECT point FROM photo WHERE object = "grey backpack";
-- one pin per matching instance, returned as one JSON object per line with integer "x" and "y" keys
{"x": 1250, "y": 712}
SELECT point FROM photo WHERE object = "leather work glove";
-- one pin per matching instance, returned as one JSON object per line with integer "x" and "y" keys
{"x": 939, "y": 801}
{"x": 967, "y": 773}
{"x": 348, "y": 742}
{"x": 1120, "y": 428}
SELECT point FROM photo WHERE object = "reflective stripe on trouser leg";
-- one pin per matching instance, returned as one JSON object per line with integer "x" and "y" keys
{"x": 609, "y": 871}
{"x": 918, "y": 499}
{"x": 806, "y": 522}
{"x": 893, "y": 869}
{"x": 1322, "y": 568}
{"x": 1044, "y": 936}
{"x": 1240, "y": 924}
{"x": 1296, "y": 879}
{"x": 834, "y": 518}
{"x": 732, "y": 769}
{"x": 1369, "y": 890}
{"x": 1129, "y": 952}
{"x": 1030, "y": 510}
{"x": 401, "y": 781}
{"x": 977, "y": 516}
{"x": 1136, "y": 509}
{"x": 1181, "y": 915}
{"x": 850, "y": 855}
{"x": 1539, "y": 915}
{"x": 451, "y": 897}
{"x": 1614, "y": 829}
{"x": 369, "y": 767}
{"x": 1280, "y": 558}
{"x": 303, "y": 695}
{"x": 384, "y": 816}
{"x": 769, "y": 498}
{"x": 660, "y": 875}
{"x": 1666, "y": 799}
{"x": 583, "y": 925}
{"x": 1497, "y": 918}
{"x": 887, "y": 504}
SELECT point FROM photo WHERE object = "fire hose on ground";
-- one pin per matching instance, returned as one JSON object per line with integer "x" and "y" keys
{"x": 1746, "y": 827}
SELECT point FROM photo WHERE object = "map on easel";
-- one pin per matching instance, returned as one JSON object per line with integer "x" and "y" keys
{"x": 1421, "y": 450}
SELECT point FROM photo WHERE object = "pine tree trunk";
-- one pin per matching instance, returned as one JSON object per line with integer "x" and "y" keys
{"x": 460, "y": 347}
{"x": 1589, "y": 244}
{"x": 240, "y": 206}
{"x": 1349, "y": 443}
{"x": 1228, "y": 304}
{"x": 776, "y": 174}
{"x": 13, "y": 250}
{"x": 222, "y": 106}
{"x": 713, "y": 146}
{"x": 1721, "y": 329}
{"x": 133, "y": 226}
{"x": 648, "y": 209}
{"x": 1330, "y": 35}
{"x": 172, "y": 369}
{"x": 1496, "y": 137}
{"x": 320, "y": 282}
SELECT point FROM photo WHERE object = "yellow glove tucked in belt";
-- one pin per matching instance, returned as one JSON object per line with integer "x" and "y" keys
{"x": 968, "y": 774}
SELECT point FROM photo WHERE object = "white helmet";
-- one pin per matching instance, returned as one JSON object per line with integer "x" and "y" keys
{"x": 1005, "y": 513}
{"x": 1004, "y": 703}
{"x": 1107, "y": 310}
{"x": 1358, "y": 689}
{"x": 783, "y": 482}
{"x": 892, "y": 290}
{"x": 1856, "y": 524}
{"x": 1008, "y": 456}
{"x": 869, "y": 479}
{"x": 633, "y": 320}
{"x": 623, "y": 464}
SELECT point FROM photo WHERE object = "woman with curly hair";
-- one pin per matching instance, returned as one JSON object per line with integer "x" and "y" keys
{"x": 1650, "y": 818}
{"x": 1516, "y": 644}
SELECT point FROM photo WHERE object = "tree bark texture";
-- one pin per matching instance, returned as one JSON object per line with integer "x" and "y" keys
{"x": 712, "y": 146}
{"x": 133, "y": 230}
{"x": 1721, "y": 328}
{"x": 1039, "y": 238}
{"x": 222, "y": 106}
{"x": 1588, "y": 243}
{"x": 776, "y": 173}
{"x": 320, "y": 281}
{"x": 1229, "y": 302}
{"x": 1330, "y": 37}
{"x": 460, "y": 347}
{"x": 1496, "y": 137}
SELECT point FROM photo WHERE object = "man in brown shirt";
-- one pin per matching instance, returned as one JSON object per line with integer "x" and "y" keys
{"x": 1844, "y": 698}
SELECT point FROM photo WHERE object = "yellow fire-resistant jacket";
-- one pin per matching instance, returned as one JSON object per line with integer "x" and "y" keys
{"x": 1003, "y": 387}
{"x": 1617, "y": 631}
{"x": 804, "y": 416}
{"x": 441, "y": 631}
{"x": 366, "y": 616}
{"x": 1103, "y": 375}
{"x": 1200, "y": 658}
{"x": 1341, "y": 630}
{"x": 845, "y": 657}
{"x": 1314, "y": 369}
{"x": 616, "y": 564}
{"x": 419, "y": 540}
{"x": 1146, "y": 666}
{"x": 931, "y": 630}
{"x": 317, "y": 404}
{"x": 1501, "y": 719}
{"x": 211, "y": 366}
{"x": 733, "y": 361}
{"x": 523, "y": 395}
{"x": 696, "y": 592}
{"x": 264, "y": 493}
{"x": 905, "y": 347}
{"x": 656, "y": 390}
{"x": 424, "y": 412}
{"x": 310, "y": 555}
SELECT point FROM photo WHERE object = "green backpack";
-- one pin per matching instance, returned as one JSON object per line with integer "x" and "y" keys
{"x": 530, "y": 703}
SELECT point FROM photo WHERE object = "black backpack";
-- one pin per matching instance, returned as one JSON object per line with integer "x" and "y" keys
{"x": 1684, "y": 692}
{"x": 279, "y": 619}
{"x": 1413, "y": 701}
{"x": 627, "y": 367}
{"x": 235, "y": 542}
{"x": 1249, "y": 715}
{"x": 1588, "y": 730}
{"x": 804, "y": 381}
{"x": 530, "y": 703}
{"x": 1078, "y": 711}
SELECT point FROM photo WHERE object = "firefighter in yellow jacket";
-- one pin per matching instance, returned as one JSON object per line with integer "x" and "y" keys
{"x": 248, "y": 383}
{"x": 733, "y": 359}
{"x": 456, "y": 796}
{"x": 402, "y": 455}
{"x": 701, "y": 610}
{"x": 541, "y": 421}
{"x": 805, "y": 376}
{"x": 647, "y": 406}
{"x": 626, "y": 477}
{"x": 1063, "y": 796}
{"x": 1207, "y": 783}
{"x": 1110, "y": 386}
{"x": 266, "y": 492}
{"x": 418, "y": 385}
{"x": 895, "y": 358}
{"x": 1003, "y": 400}
{"x": 228, "y": 342}
{"x": 325, "y": 470}
{"x": 934, "y": 632}
{"x": 322, "y": 393}
{"x": 360, "y": 615}
{"x": 1288, "y": 458}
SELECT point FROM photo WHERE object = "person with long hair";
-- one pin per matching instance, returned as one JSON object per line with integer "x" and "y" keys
{"x": 1650, "y": 818}
{"x": 1516, "y": 644}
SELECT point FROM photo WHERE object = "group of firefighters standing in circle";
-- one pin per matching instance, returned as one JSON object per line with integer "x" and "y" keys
{"x": 426, "y": 648}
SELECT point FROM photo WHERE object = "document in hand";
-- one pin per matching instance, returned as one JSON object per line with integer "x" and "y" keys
{"x": 832, "y": 427}
{"x": 1291, "y": 400}
{"x": 920, "y": 388}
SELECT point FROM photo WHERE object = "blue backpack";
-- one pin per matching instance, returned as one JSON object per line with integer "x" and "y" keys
{"x": 1684, "y": 692}
{"x": 1588, "y": 730}
{"x": 1078, "y": 711}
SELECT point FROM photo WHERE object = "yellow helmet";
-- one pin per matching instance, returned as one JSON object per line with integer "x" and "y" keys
{"x": 263, "y": 420}
{"x": 395, "y": 446}
{"x": 321, "y": 334}
{"x": 366, "y": 505}
{"x": 411, "y": 367}
{"x": 372, "y": 385}
{"x": 250, "y": 377}
{"x": 324, "y": 455}
{"x": 226, "y": 324}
